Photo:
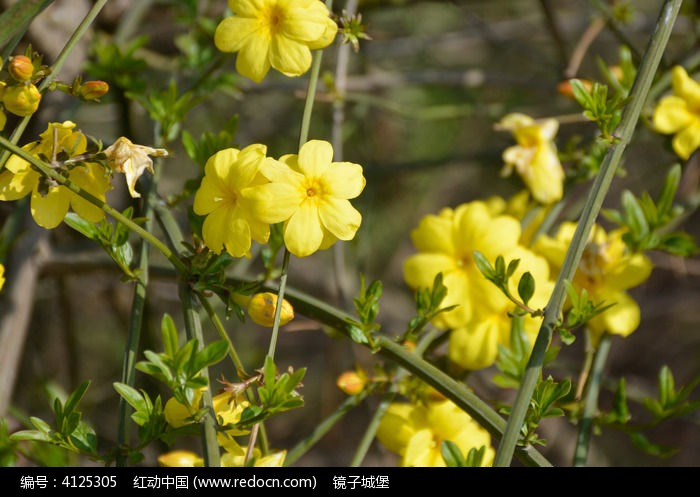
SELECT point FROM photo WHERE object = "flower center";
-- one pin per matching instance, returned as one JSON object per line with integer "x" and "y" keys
{"x": 594, "y": 260}
{"x": 273, "y": 19}
{"x": 314, "y": 190}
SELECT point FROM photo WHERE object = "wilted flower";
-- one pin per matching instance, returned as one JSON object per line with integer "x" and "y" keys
{"x": 132, "y": 160}
{"x": 535, "y": 156}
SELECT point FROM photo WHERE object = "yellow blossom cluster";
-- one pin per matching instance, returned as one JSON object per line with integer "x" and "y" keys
{"x": 243, "y": 192}
{"x": 228, "y": 408}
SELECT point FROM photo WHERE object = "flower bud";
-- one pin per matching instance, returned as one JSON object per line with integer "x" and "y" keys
{"x": 93, "y": 90}
{"x": 3, "y": 120}
{"x": 21, "y": 100}
{"x": 180, "y": 459}
{"x": 564, "y": 88}
{"x": 21, "y": 68}
{"x": 351, "y": 382}
{"x": 261, "y": 309}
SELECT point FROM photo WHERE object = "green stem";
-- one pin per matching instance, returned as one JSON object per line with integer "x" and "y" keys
{"x": 590, "y": 405}
{"x": 118, "y": 216}
{"x": 218, "y": 325}
{"x": 193, "y": 328}
{"x": 137, "y": 311}
{"x": 303, "y": 136}
{"x": 56, "y": 69}
{"x": 599, "y": 190}
{"x": 371, "y": 431}
{"x": 452, "y": 389}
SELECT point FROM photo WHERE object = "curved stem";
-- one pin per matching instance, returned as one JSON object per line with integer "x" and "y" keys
{"x": 599, "y": 190}
{"x": 590, "y": 405}
{"x": 118, "y": 216}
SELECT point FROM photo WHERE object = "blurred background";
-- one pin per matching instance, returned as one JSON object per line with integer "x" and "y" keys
{"x": 421, "y": 100}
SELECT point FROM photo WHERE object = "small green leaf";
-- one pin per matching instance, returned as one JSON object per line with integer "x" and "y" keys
{"x": 668, "y": 191}
{"x": 74, "y": 398}
{"x": 132, "y": 396}
{"x": 169, "y": 335}
{"x": 210, "y": 355}
{"x": 484, "y": 265}
{"x": 451, "y": 454}
{"x": 526, "y": 287}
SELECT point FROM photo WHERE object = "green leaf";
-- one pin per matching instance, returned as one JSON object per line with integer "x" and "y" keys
{"x": 668, "y": 191}
{"x": 132, "y": 396}
{"x": 667, "y": 388}
{"x": 31, "y": 435}
{"x": 80, "y": 225}
{"x": 526, "y": 287}
{"x": 484, "y": 265}
{"x": 636, "y": 219}
{"x": 169, "y": 335}
{"x": 643, "y": 443}
{"x": 84, "y": 438}
{"x": 74, "y": 398}
{"x": 451, "y": 454}
{"x": 210, "y": 355}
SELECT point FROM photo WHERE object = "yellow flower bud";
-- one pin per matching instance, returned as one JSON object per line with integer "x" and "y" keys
{"x": 180, "y": 459}
{"x": 2, "y": 276}
{"x": 93, "y": 90}
{"x": 261, "y": 308}
{"x": 351, "y": 382}
{"x": 21, "y": 68}
{"x": 21, "y": 100}
{"x": 3, "y": 120}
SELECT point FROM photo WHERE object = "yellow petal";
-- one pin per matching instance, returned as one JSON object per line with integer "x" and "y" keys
{"x": 49, "y": 210}
{"x": 475, "y": 346}
{"x": 253, "y": 59}
{"x": 315, "y": 158}
{"x": 344, "y": 180}
{"x": 687, "y": 140}
{"x": 671, "y": 115}
{"x": 340, "y": 218}
{"x": 302, "y": 233}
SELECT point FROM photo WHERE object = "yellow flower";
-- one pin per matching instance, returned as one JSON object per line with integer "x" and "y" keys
{"x": 21, "y": 99}
{"x": 50, "y": 202}
{"x": 274, "y": 33}
{"x": 132, "y": 160}
{"x": 535, "y": 156}
{"x": 180, "y": 459}
{"x": 446, "y": 243}
{"x": 311, "y": 194}
{"x": 2, "y": 276}
{"x": 416, "y": 432}
{"x": 679, "y": 114}
{"x": 475, "y": 345}
{"x": 607, "y": 269}
{"x": 234, "y": 457}
{"x": 229, "y": 219}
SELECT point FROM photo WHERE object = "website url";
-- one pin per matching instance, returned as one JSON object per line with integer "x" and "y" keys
{"x": 254, "y": 482}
